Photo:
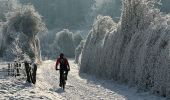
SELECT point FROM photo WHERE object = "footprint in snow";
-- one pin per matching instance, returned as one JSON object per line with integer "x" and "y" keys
{"x": 3, "y": 92}
{"x": 58, "y": 90}
{"x": 32, "y": 92}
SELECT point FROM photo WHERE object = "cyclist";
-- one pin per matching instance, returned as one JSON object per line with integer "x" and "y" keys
{"x": 64, "y": 66}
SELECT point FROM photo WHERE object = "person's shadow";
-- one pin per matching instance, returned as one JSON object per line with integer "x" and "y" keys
{"x": 59, "y": 90}
{"x": 21, "y": 85}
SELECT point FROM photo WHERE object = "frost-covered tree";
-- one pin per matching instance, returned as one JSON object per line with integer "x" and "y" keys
{"x": 20, "y": 34}
{"x": 66, "y": 42}
{"x": 93, "y": 46}
{"x": 108, "y": 8}
{"x": 7, "y": 6}
{"x": 78, "y": 51}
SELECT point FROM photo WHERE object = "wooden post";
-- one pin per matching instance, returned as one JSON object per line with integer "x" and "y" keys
{"x": 9, "y": 69}
{"x": 12, "y": 70}
{"x": 17, "y": 69}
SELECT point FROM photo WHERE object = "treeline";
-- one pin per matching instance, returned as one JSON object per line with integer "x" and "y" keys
{"x": 134, "y": 51}
{"x": 62, "y": 13}
{"x": 74, "y": 14}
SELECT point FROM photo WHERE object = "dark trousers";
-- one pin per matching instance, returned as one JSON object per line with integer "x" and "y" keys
{"x": 31, "y": 73}
{"x": 61, "y": 73}
{"x": 34, "y": 74}
{"x": 27, "y": 69}
{"x": 18, "y": 71}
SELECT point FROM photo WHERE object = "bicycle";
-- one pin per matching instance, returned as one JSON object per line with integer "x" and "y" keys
{"x": 63, "y": 80}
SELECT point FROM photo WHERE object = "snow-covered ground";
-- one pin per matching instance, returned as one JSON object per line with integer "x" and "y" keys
{"x": 79, "y": 87}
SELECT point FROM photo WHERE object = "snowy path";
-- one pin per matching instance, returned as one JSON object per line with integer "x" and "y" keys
{"x": 83, "y": 87}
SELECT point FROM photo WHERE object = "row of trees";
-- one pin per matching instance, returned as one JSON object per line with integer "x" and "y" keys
{"x": 73, "y": 14}
{"x": 62, "y": 13}
{"x": 134, "y": 51}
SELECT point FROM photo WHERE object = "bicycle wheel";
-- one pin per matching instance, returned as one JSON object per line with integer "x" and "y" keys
{"x": 63, "y": 81}
{"x": 63, "y": 86}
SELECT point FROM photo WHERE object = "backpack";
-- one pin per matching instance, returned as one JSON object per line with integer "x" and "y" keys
{"x": 63, "y": 63}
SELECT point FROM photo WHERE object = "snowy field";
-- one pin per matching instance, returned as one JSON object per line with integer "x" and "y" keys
{"x": 79, "y": 87}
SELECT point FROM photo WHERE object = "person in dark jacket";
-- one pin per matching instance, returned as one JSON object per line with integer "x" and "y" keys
{"x": 27, "y": 69}
{"x": 64, "y": 66}
{"x": 34, "y": 71}
{"x": 31, "y": 71}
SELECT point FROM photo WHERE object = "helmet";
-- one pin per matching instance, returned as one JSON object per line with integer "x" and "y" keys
{"x": 61, "y": 55}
